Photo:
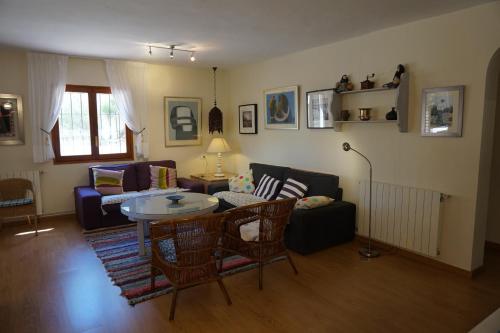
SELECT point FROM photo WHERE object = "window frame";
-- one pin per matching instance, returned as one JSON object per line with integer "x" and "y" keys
{"x": 94, "y": 156}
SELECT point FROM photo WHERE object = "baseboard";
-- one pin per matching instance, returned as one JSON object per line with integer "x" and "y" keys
{"x": 422, "y": 259}
{"x": 492, "y": 246}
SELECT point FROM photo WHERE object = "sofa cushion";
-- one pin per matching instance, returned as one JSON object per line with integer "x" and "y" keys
{"x": 242, "y": 183}
{"x": 142, "y": 171}
{"x": 268, "y": 188}
{"x": 313, "y": 202}
{"x": 238, "y": 199}
{"x": 318, "y": 183}
{"x": 129, "y": 175}
{"x": 158, "y": 176}
{"x": 292, "y": 189}
{"x": 108, "y": 181}
{"x": 172, "y": 177}
{"x": 274, "y": 171}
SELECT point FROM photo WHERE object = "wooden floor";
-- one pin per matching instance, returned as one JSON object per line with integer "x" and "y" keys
{"x": 55, "y": 283}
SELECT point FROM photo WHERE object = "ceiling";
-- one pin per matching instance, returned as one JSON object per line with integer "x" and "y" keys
{"x": 224, "y": 32}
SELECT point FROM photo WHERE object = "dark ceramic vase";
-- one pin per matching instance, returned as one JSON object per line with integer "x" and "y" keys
{"x": 392, "y": 115}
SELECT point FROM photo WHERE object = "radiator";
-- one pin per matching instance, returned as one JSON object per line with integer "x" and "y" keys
{"x": 402, "y": 216}
{"x": 34, "y": 176}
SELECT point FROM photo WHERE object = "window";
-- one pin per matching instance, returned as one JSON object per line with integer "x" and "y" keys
{"x": 90, "y": 128}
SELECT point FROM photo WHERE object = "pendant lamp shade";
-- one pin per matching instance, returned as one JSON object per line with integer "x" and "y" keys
{"x": 215, "y": 114}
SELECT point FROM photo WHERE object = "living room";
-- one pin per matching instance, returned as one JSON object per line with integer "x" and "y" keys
{"x": 263, "y": 50}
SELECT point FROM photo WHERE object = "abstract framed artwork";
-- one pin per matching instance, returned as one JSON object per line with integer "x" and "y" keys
{"x": 11, "y": 120}
{"x": 248, "y": 118}
{"x": 442, "y": 111}
{"x": 319, "y": 108}
{"x": 182, "y": 121}
{"x": 282, "y": 108}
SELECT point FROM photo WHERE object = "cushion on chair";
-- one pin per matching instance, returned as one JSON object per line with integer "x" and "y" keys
{"x": 292, "y": 189}
{"x": 238, "y": 199}
{"x": 268, "y": 188}
{"x": 250, "y": 231}
{"x": 172, "y": 177}
{"x": 16, "y": 202}
{"x": 167, "y": 249}
{"x": 242, "y": 183}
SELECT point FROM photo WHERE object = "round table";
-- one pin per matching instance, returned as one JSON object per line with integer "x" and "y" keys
{"x": 146, "y": 209}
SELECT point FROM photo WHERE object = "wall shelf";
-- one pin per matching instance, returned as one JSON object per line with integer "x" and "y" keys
{"x": 400, "y": 104}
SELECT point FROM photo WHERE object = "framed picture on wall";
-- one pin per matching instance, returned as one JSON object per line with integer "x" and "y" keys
{"x": 442, "y": 111}
{"x": 182, "y": 121}
{"x": 11, "y": 120}
{"x": 319, "y": 108}
{"x": 282, "y": 108}
{"x": 248, "y": 118}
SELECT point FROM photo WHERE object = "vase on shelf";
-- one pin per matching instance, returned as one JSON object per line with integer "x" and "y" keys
{"x": 392, "y": 115}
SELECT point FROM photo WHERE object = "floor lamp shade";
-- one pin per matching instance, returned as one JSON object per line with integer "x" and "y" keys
{"x": 219, "y": 146}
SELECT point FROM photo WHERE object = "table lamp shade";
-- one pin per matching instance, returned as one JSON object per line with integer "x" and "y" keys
{"x": 218, "y": 145}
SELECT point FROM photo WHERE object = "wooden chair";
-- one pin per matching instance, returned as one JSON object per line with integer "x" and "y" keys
{"x": 14, "y": 200}
{"x": 184, "y": 250}
{"x": 271, "y": 218}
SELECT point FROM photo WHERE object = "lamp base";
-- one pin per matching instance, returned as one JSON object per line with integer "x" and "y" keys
{"x": 368, "y": 253}
{"x": 217, "y": 174}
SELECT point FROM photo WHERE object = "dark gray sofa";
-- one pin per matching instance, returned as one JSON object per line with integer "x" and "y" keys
{"x": 313, "y": 229}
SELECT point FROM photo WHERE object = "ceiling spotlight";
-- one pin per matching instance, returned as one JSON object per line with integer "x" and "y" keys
{"x": 192, "y": 58}
{"x": 150, "y": 51}
{"x": 171, "y": 49}
{"x": 172, "y": 52}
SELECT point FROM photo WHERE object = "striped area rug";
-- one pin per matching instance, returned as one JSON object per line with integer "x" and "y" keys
{"x": 118, "y": 250}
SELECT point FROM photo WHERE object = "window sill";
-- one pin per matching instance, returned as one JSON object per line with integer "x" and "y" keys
{"x": 91, "y": 160}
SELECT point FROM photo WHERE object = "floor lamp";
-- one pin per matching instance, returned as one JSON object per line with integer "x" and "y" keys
{"x": 367, "y": 252}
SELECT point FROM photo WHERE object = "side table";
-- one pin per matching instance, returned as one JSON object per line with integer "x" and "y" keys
{"x": 208, "y": 179}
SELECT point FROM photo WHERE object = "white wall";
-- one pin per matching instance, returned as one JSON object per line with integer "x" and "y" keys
{"x": 57, "y": 181}
{"x": 453, "y": 49}
{"x": 493, "y": 226}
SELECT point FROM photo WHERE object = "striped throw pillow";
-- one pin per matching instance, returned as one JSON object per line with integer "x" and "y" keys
{"x": 292, "y": 189}
{"x": 268, "y": 187}
{"x": 108, "y": 181}
{"x": 158, "y": 176}
{"x": 172, "y": 177}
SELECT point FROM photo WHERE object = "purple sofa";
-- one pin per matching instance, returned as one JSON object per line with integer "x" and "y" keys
{"x": 135, "y": 178}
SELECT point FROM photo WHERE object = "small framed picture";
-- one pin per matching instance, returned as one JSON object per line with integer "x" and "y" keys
{"x": 282, "y": 108}
{"x": 442, "y": 111}
{"x": 11, "y": 120}
{"x": 319, "y": 108}
{"x": 248, "y": 118}
{"x": 182, "y": 121}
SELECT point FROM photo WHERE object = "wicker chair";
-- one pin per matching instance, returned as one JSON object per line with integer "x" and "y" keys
{"x": 14, "y": 201}
{"x": 184, "y": 250}
{"x": 272, "y": 218}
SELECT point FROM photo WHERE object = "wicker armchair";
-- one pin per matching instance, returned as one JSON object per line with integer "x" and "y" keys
{"x": 272, "y": 218}
{"x": 184, "y": 250}
{"x": 14, "y": 201}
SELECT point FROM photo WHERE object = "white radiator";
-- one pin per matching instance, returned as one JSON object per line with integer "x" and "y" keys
{"x": 34, "y": 176}
{"x": 402, "y": 216}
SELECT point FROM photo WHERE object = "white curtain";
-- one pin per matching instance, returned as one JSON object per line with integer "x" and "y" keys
{"x": 47, "y": 83}
{"x": 128, "y": 86}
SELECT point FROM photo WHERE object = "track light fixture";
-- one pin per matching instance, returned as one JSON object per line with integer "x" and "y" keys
{"x": 172, "y": 48}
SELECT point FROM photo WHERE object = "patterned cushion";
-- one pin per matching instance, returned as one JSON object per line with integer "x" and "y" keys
{"x": 238, "y": 199}
{"x": 167, "y": 249}
{"x": 268, "y": 187}
{"x": 242, "y": 183}
{"x": 172, "y": 177}
{"x": 158, "y": 176}
{"x": 313, "y": 202}
{"x": 108, "y": 181}
{"x": 16, "y": 202}
{"x": 292, "y": 189}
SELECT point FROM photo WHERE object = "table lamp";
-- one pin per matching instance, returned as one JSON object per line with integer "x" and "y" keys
{"x": 219, "y": 146}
